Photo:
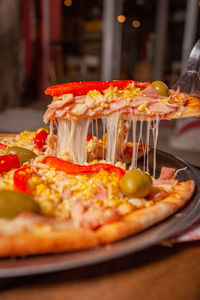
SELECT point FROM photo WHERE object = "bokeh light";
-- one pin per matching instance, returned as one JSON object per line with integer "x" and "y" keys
{"x": 136, "y": 23}
{"x": 121, "y": 18}
{"x": 68, "y": 2}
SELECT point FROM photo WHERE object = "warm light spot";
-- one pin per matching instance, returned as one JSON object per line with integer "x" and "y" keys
{"x": 136, "y": 23}
{"x": 121, "y": 18}
{"x": 68, "y": 2}
{"x": 199, "y": 3}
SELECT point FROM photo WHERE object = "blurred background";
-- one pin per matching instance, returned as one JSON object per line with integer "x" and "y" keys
{"x": 45, "y": 42}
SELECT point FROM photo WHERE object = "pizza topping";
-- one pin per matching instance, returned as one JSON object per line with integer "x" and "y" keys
{"x": 40, "y": 139}
{"x": 3, "y": 147}
{"x": 8, "y": 162}
{"x": 159, "y": 195}
{"x": 24, "y": 139}
{"x": 13, "y": 203}
{"x": 136, "y": 183}
{"x": 166, "y": 177}
{"x": 93, "y": 217}
{"x": 70, "y": 168}
{"x": 160, "y": 87}
{"x": 21, "y": 177}
{"x": 161, "y": 107}
{"x": 24, "y": 155}
{"x": 82, "y": 88}
{"x": 166, "y": 173}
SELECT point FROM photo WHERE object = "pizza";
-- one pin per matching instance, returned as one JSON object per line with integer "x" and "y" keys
{"x": 64, "y": 190}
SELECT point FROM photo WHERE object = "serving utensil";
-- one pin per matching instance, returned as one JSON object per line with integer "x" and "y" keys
{"x": 189, "y": 82}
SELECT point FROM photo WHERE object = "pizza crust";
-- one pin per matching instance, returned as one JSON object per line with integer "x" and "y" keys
{"x": 191, "y": 109}
{"x": 71, "y": 239}
{"x": 144, "y": 218}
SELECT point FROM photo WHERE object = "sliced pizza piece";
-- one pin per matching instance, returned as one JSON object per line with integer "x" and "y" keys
{"x": 76, "y": 105}
{"x": 143, "y": 101}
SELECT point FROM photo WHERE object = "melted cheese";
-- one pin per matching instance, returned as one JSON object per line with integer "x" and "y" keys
{"x": 72, "y": 137}
{"x": 155, "y": 129}
{"x": 111, "y": 122}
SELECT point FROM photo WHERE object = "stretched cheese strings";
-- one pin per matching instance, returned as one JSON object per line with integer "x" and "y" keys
{"x": 112, "y": 125}
{"x": 104, "y": 131}
{"x": 96, "y": 127}
{"x": 155, "y": 129}
{"x": 148, "y": 124}
{"x": 134, "y": 158}
{"x": 72, "y": 137}
{"x": 139, "y": 140}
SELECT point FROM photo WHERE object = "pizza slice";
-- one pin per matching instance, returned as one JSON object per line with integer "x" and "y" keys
{"x": 139, "y": 100}
{"x": 77, "y": 106}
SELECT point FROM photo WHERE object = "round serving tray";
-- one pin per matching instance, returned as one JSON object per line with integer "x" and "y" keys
{"x": 14, "y": 267}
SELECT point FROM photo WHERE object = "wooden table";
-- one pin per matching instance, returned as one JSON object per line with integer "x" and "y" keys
{"x": 155, "y": 273}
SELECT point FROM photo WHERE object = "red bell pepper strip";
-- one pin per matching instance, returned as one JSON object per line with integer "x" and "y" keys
{"x": 8, "y": 162}
{"x": 70, "y": 168}
{"x": 21, "y": 177}
{"x": 40, "y": 139}
{"x": 82, "y": 88}
{"x": 89, "y": 137}
{"x": 2, "y": 146}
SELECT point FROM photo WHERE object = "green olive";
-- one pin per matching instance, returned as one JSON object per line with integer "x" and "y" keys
{"x": 136, "y": 183}
{"x": 23, "y": 154}
{"x": 160, "y": 87}
{"x": 13, "y": 203}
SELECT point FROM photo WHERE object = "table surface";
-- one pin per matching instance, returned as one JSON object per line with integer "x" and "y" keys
{"x": 156, "y": 273}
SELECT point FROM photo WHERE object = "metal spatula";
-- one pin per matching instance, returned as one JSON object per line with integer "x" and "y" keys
{"x": 190, "y": 81}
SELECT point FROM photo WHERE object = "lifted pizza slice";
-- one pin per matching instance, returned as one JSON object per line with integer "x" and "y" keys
{"x": 112, "y": 104}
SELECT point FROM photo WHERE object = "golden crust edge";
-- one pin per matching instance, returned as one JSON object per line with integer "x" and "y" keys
{"x": 145, "y": 218}
{"x": 30, "y": 243}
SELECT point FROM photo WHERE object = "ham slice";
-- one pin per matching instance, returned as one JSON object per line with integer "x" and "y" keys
{"x": 167, "y": 173}
{"x": 150, "y": 92}
{"x": 55, "y": 106}
{"x": 89, "y": 216}
{"x": 97, "y": 217}
{"x": 166, "y": 177}
{"x": 160, "y": 108}
{"x": 100, "y": 193}
{"x": 79, "y": 109}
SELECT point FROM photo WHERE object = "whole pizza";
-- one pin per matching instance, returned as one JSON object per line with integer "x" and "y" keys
{"x": 77, "y": 185}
